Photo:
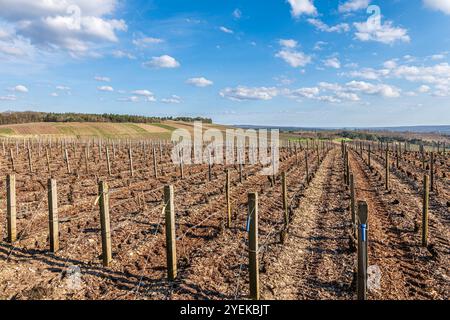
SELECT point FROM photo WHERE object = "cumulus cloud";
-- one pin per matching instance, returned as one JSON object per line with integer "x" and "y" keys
{"x": 242, "y": 93}
{"x": 20, "y": 88}
{"x": 319, "y": 45}
{"x": 442, "y": 5}
{"x": 341, "y": 27}
{"x": 324, "y": 92}
{"x": 424, "y": 89}
{"x": 199, "y": 82}
{"x": 368, "y": 73}
{"x": 174, "y": 99}
{"x": 105, "y": 88}
{"x": 123, "y": 54}
{"x": 133, "y": 99}
{"x": 72, "y": 25}
{"x": 146, "y": 41}
{"x": 288, "y": 43}
{"x": 226, "y": 30}
{"x": 9, "y": 97}
{"x": 332, "y": 63}
{"x": 145, "y": 94}
{"x": 237, "y": 13}
{"x": 163, "y": 61}
{"x": 390, "y": 64}
{"x": 302, "y": 7}
{"x": 102, "y": 79}
{"x": 353, "y": 5}
{"x": 384, "y": 33}
{"x": 380, "y": 89}
{"x": 294, "y": 58}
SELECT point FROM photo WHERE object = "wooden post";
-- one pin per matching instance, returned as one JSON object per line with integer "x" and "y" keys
{"x": 48, "y": 162}
{"x": 228, "y": 196}
{"x": 352, "y": 203}
{"x": 53, "y": 215}
{"x": 253, "y": 245}
{"x": 347, "y": 169}
{"x": 103, "y": 192}
{"x": 11, "y": 154}
{"x": 318, "y": 157}
{"x": 209, "y": 168}
{"x": 155, "y": 168}
{"x": 362, "y": 251}
{"x": 66, "y": 156}
{"x": 86, "y": 156}
{"x": 130, "y": 157}
{"x": 171, "y": 248}
{"x": 108, "y": 162}
{"x": 425, "y": 211}
{"x": 11, "y": 207}
{"x": 285, "y": 202}
{"x": 181, "y": 165}
{"x": 432, "y": 172}
{"x": 30, "y": 160}
{"x": 368, "y": 154}
{"x": 387, "y": 169}
{"x": 306, "y": 167}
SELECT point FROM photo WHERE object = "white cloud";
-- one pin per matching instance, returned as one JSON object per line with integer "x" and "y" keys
{"x": 226, "y": 30}
{"x": 146, "y": 41}
{"x": 105, "y": 88}
{"x": 242, "y": 93}
{"x": 123, "y": 54}
{"x": 11, "y": 49}
{"x": 146, "y": 94}
{"x": 384, "y": 33}
{"x": 424, "y": 89}
{"x": 54, "y": 94}
{"x": 200, "y": 82}
{"x": 294, "y": 58}
{"x": 133, "y": 99}
{"x": 288, "y": 43}
{"x": 437, "y": 74}
{"x": 390, "y": 64}
{"x": 368, "y": 73}
{"x": 332, "y": 63}
{"x": 62, "y": 88}
{"x": 174, "y": 99}
{"x": 438, "y": 57}
{"x": 102, "y": 79}
{"x": 163, "y": 61}
{"x": 4, "y": 34}
{"x": 73, "y": 25}
{"x": 303, "y": 92}
{"x": 383, "y": 90}
{"x": 353, "y": 5}
{"x": 20, "y": 88}
{"x": 9, "y": 97}
{"x": 319, "y": 45}
{"x": 442, "y": 5}
{"x": 341, "y": 27}
{"x": 237, "y": 13}
{"x": 300, "y": 7}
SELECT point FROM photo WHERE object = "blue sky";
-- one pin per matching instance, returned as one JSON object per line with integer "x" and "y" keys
{"x": 273, "y": 62}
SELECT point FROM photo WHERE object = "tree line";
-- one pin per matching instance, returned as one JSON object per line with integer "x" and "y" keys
{"x": 31, "y": 116}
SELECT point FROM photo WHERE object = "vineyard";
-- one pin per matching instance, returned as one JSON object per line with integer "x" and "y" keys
{"x": 110, "y": 219}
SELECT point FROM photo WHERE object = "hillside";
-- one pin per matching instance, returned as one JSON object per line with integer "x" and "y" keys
{"x": 161, "y": 130}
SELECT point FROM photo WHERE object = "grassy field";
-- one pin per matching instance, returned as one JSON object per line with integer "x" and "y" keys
{"x": 161, "y": 130}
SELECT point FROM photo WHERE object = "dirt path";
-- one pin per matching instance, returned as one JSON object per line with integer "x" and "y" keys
{"x": 316, "y": 261}
{"x": 407, "y": 270}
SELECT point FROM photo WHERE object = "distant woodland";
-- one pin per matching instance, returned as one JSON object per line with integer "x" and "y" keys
{"x": 31, "y": 116}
